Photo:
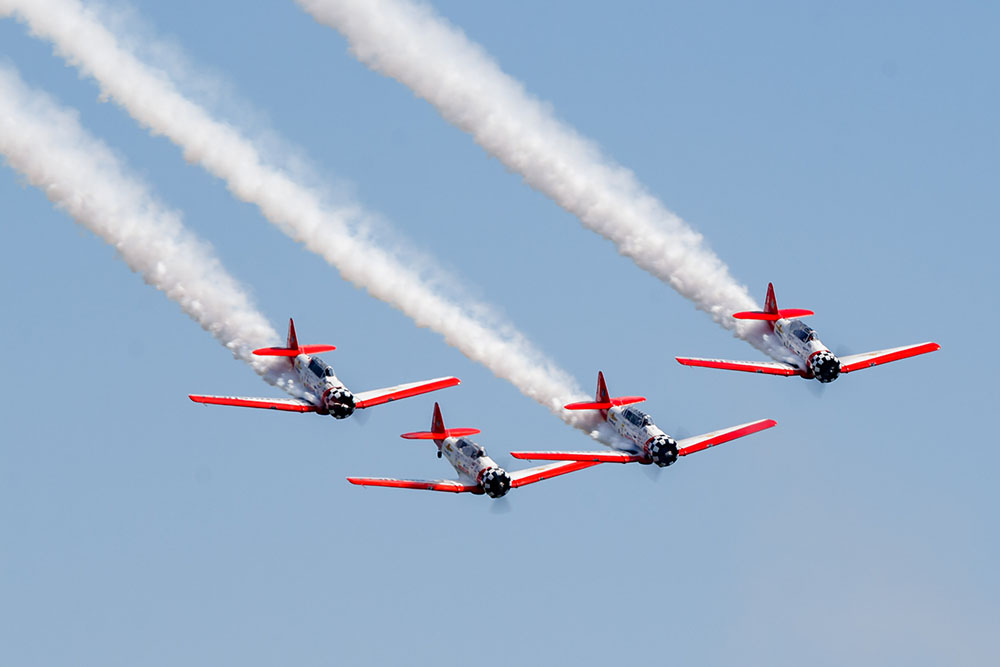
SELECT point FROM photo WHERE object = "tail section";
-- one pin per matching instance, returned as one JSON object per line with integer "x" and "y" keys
{"x": 438, "y": 432}
{"x": 602, "y": 395}
{"x": 292, "y": 347}
{"x": 604, "y": 400}
{"x": 437, "y": 421}
{"x": 771, "y": 312}
{"x": 770, "y": 303}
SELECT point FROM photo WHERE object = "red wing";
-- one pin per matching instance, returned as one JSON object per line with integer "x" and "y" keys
{"x": 367, "y": 399}
{"x": 593, "y": 457}
{"x": 769, "y": 367}
{"x": 287, "y": 404}
{"x": 532, "y": 475}
{"x": 425, "y": 485}
{"x": 700, "y": 442}
{"x": 855, "y": 362}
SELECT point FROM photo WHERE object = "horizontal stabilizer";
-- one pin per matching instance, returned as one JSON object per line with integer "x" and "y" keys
{"x": 593, "y": 457}
{"x": 293, "y": 351}
{"x": 448, "y": 485}
{"x": 854, "y": 362}
{"x": 366, "y": 399}
{"x": 440, "y": 435}
{"x": 768, "y": 367}
{"x": 700, "y": 442}
{"x": 287, "y": 404}
{"x": 604, "y": 405}
{"x": 784, "y": 313}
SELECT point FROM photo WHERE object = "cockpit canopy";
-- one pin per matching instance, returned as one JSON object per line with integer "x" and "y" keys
{"x": 320, "y": 368}
{"x": 637, "y": 417}
{"x": 471, "y": 449}
{"x": 802, "y": 331}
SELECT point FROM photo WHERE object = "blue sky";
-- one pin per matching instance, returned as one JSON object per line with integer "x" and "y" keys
{"x": 846, "y": 154}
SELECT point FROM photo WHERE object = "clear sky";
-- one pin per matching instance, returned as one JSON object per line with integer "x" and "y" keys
{"x": 848, "y": 154}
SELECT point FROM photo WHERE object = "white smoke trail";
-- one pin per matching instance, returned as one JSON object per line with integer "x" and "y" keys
{"x": 153, "y": 100}
{"x": 407, "y": 41}
{"x": 82, "y": 176}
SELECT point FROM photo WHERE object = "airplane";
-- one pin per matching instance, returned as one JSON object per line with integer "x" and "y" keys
{"x": 477, "y": 472}
{"x": 810, "y": 358}
{"x": 648, "y": 443}
{"x": 326, "y": 395}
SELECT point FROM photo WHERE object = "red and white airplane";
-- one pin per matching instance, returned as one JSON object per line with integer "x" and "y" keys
{"x": 810, "y": 358}
{"x": 477, "y": 472}
{"x": 326, "y": 394}
{"x": 648, "y": 443}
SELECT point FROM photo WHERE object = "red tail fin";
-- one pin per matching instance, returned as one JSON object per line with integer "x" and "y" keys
{"x": 292, "y": 347}
{"x": 771, "y": 312}
{"x": 770, "y": 303}
{"x": 604, "y": 400}
{"x": 438, "y": 432}
{"x": 437, "y": 421}
{"x": 602, "y": 395}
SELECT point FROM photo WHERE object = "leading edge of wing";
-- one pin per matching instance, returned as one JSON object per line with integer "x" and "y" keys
{"x": 287, "y": 404}
{"x": 855, "y": 362}
{"x": 447, "y": 485}
{"x": 699, "y": 442}
{"x": 367, "y": 399}
{"x": 538, "y": 473}
{"x": 768, "y": 367}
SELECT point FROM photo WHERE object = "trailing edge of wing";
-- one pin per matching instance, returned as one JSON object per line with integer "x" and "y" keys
{"x": 537, "y": 474}
{"x": 447, "y": 485}
{"x": 768, "y": 367}
{"x": 593, "y": 457}
{"x": 855, "y": 362}
{"x": 367, "y": 399}
{"x": 700, "y": 442}
{"x": 287, "y": 404}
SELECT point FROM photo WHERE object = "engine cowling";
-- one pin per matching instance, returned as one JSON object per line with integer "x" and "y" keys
{"x": 662, "y": 450}
{"x": 339, "y": 402}
{"x": 824, "y": 366}
{"x": 495, "y": 482}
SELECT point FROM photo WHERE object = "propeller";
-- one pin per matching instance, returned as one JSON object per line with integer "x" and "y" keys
{"x": 500, "y": 506}
{"x": 361, "y": 417}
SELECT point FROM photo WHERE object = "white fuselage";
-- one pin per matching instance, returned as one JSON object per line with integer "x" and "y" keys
{"x": 633, "y": 425}
{"x": 649, "y": 439}
{"x": 328, "y": 393}
{"x": 468, "y": 458}
{"x": 473, "y": 466}
{"x": 813, "y": 356}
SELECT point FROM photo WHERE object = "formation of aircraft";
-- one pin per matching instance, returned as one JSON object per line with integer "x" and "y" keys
{"x": 477, "y": 472}
{"x": 326, "y": 394}
{"x": 808, "y": 356}
{"x": 642, "y": 440}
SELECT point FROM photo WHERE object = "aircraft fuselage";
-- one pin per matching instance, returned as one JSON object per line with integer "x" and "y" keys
{"x": 811, "y": 354}
{"x": 328, "y": 393}
{"x": 470, "y": 461}
{"x": 638, "y": 427}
